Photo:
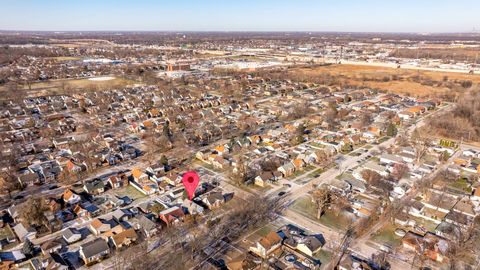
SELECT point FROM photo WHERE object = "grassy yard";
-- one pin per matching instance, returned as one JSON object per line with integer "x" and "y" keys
{"x": 386, "y": 236}
{"x": 383, "y": 139}
{"x": 355, "y": 154}
{"x": 250, "y": 188}
{"x": 255, "y": 235}
{"x": 306, "y": 207}
{"x": 210, "y": 167}
{"x": 7, "y": 232}
{"x": 428, "y": 225}
{"x": 324, "y": 256}
{"x": 343, "y": 176}
{"x": 131, "y": 192}
{"x": 316, "y": 172}
{"x": 262, "y": 232}
{"x": 368, "y": 146}
{"x": 301, "y": 172}
{"x": 461, "y": 185}
{"x": 317, "y": 145}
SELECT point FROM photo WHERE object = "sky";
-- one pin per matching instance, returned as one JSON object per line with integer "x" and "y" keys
{"x": 242, "y": 15}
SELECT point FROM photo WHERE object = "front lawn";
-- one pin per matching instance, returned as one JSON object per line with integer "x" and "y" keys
{"x": 386, "y": 236}
{"x": 461, "y": 185}
{"x": 324, "y": 256}
{"x": 131, "y": 192}
{"x": 383, "y": 139}
{"x": 306, "y": 207}
{"x": 316, "y": 172}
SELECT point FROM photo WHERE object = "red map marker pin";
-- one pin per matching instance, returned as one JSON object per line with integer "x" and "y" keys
{"x": 190, "y": 181}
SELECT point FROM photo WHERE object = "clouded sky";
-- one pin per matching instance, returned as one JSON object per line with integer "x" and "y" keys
{"x": 242, "y": 15}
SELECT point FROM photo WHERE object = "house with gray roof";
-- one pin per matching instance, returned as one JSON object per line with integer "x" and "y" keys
{"x": 94, "y": 251}
{"x": 71, "y": 235}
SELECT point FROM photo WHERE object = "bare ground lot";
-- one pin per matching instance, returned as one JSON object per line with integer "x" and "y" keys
{"x": 401, "y": 81}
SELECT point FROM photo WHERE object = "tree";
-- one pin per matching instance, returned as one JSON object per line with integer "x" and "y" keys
{"x": 167, "y": 132}
{"x": 33, "y": 212}
{"x": 321, "y": 197}
{"x": 370, "y": 176}
{"x": 380, "y": 260}
{"x": 164, "y": 160}
{"x": 444, "y": 156}
{"x": 331, "y": 114}
{"x": 392, "y": 130}
{"x": 243, "y": 173}
{"x": 402, "y": 140}
{"x": 270, "y": 164}
{"x": 347, "y": 148}
{"x": 9, "y": 183}
{"x": 421, "y": 143}
{"x": 366, "y": 119}
{"x": 298, "y": 134}
{"x": 400, "y": 170}
{"x": 322, "y": 156}
{"x": 463, "y": 243}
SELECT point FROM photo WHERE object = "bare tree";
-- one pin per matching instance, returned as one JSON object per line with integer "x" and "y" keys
{"x": 322, "y": 199}
{"x": 370, "y": 176}
{"x": 464, "y": 243}
{"x": 400, "y": 170}
{"x": 33, "y": 212}
{"x": 421, "y": 143}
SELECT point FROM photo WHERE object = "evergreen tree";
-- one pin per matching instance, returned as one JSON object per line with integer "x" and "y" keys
{"x": 164, "y": 160}
{"x": 392, "y": 130}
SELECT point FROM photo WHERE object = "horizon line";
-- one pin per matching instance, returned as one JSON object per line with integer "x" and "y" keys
{"x": 240, "y": 31}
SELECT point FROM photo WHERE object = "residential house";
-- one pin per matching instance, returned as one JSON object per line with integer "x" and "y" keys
{"x": 267, "y": 245}
{"x": 99, "y": 226}
{"x": 386, "y": 158}
{"x": 124, "y": 239}
{"x": 121, "y": 215}
{"x": 70, "y": 197}
{"x": 28, "y": 178}
{"x": 94, "y": 187}
{"x": 94, "y": 251}
{"x": 115, "y": 181}
{"x": 213, "y": 199}
{"x": 145, "y": 225}
{"x": 139, "y": 176}
{"x": 51, "y": 246}
{"x": 287, "y": 169}
{"x": 430, "y": 245}
{"x": 80, "y": 211}
{"x": 71, "y": 235}
{"x": 308, "y": 245}
{"x": 263, "y": 178}
{"x": 172, "y": 215}
{"x": 298, "y": 163}
{"x": 192, "y": 208}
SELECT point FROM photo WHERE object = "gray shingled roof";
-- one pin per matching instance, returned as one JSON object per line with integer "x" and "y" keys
{"x": 94, "y": 247}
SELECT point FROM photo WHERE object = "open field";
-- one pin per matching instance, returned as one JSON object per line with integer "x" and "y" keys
{"x": 401, "y": 81}
{"x": 440, "y": 52}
